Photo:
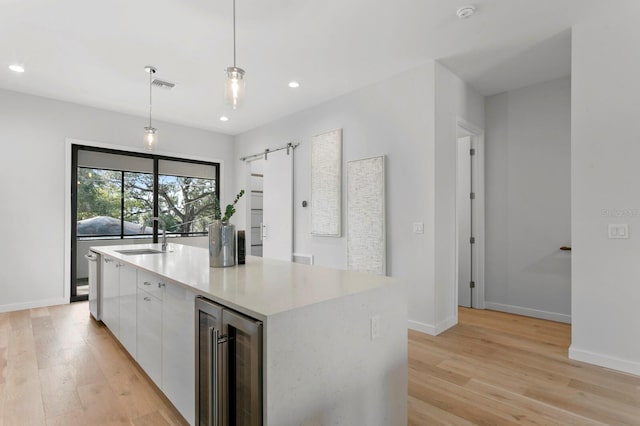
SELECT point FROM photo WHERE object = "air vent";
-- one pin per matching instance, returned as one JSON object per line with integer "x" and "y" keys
{"x": 163, "y": 84}
{"x": 305, "y": 259}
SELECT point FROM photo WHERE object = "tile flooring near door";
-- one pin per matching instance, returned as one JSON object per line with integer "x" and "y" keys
{"x": 60, "y": 367}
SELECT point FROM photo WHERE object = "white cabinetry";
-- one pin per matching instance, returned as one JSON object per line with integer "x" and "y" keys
{"x": 127, "y": 307}
{"x": 110, "y": 294}
{"x": 119, "y": 301}
{"x": 154, "y": 320}
{"x": 149, "y": 331}
{"x": 178, "y": 346}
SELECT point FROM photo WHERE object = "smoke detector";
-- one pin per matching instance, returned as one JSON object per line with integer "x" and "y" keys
{"x": 465, "y": 11}
{"x": 163, "y": 84}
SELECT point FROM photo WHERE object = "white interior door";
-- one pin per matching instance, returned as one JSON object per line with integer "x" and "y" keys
{"x": 277, "y": 227}
{"x": 464, "y": 221}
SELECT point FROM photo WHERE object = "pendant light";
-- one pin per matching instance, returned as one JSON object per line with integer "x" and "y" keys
{"x": 234, "y": 84}
{"x": 150, "y": 132}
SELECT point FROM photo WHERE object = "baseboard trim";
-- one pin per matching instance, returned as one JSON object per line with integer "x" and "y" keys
{"x": 30, "y": 305}
{"x": 446, "y": 324}
{"x": 536, "y": 313}
{"x": 624, "y": 365}
{"x": 422, "y": 327}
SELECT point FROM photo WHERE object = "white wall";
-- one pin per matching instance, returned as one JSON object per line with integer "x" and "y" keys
{"x": 528, "y": 201}
{"x": 395, "y": 118}
{"x": 32, "y": 169}
{"x": 453, "y": 99}
{"x": 605, "y": 153}
{"x": 410, "y": 118}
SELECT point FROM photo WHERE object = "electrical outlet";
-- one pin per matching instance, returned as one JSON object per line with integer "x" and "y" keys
{"x": 418, "y": 228}
{"x": 375, "y": 327}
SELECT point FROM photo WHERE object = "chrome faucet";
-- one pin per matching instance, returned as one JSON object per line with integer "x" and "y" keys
{"x": 164, "y": 230}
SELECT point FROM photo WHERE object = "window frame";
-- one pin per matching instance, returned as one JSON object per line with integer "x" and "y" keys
{"x": 156, "y": 158}
{"x": 122, "y": 235}
{"x": 75, "y": 148}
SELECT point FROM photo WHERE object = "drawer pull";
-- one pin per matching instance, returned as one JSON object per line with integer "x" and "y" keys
{"x": 147, "y": 299}
{"x": 147, "y": 283}
{"x": 160, "y": 285}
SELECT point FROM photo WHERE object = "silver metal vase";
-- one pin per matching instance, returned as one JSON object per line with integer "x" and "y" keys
{"x": 222, "y": 244}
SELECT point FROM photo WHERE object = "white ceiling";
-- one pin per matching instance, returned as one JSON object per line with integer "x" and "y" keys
{"x": 94, "y": 52}
{"x": 498, "y": 69}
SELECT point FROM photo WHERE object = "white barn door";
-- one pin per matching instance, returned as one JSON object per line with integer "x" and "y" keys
{"x": 277, "y": 226}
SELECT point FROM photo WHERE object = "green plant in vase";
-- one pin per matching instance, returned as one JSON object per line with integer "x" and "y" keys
{"x": 228, "y": 211}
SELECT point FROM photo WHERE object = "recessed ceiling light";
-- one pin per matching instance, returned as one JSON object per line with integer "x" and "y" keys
{"x": 294, "y": 84}
{"x": 224, "y": 118}
{"x": 465, "y": 11}
{"x": 16, "y": 68}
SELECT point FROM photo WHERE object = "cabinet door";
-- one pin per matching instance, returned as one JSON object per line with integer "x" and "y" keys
{"x": 127, "y": 305}
{"x": 149, "y": 333}
{"x": 110, "y": 293}
{"x": 178, "y": 349}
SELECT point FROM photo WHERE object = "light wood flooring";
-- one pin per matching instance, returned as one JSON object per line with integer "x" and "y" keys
{"x": 498, "y": 369}
{"x": 59, "y": 367}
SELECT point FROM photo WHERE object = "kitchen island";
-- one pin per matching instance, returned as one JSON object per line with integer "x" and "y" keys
{"x": 334, "y": 342}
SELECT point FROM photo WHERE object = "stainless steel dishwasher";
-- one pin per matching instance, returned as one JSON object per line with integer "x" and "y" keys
{"x": 95, "y": 292}
{"x": 229, "y": 366}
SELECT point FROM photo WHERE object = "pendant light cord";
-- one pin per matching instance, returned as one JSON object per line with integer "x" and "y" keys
{"x": 234, "y": 33}
{"x": 150, "y": 91}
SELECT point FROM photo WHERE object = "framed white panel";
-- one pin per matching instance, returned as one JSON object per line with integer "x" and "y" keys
{"x": 326, "y": 184}
{"x": 366, "y": 220}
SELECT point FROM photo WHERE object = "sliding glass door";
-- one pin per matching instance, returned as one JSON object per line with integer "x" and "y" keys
{"x": 115, "y": 194}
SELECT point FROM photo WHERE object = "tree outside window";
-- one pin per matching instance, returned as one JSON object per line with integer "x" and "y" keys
{"x": 119, "y": 203}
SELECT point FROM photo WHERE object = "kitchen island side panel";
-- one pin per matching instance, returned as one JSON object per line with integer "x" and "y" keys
{"x": 322, "y": 366}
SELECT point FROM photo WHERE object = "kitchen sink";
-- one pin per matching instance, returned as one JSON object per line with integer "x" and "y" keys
{"x": 130, "y": 252}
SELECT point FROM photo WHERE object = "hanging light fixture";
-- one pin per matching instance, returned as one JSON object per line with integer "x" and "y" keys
{"x": 150, "y": 133}
{"x": 234, "y": 84}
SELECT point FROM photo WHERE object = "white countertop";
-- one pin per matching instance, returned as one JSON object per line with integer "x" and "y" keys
{"x": 260, "y": 288}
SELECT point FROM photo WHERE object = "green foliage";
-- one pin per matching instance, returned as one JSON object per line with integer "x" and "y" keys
{"x": 98, "y": 193}
{"x": 185, "y": 204}
{"x": 228, "y": 211}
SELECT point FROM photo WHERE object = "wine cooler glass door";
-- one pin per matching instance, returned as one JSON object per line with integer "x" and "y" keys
{"x": 243, "y": 405}
{"x": 208, "y": 396}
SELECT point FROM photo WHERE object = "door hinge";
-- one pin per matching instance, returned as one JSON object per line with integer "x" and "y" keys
{"x": 472, "y": 240}
{"x": 472, "y": 151}
{"x": 472, "y": 195}
{"x": 472, "y": 284}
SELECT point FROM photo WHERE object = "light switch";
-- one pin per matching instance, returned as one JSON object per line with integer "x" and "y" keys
{"x": 418, "y": 228}
{"x": 619, "y": 230}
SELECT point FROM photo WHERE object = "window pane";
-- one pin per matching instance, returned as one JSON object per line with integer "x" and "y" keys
{"x": 184, "y": 168}
{"x": 115, "y": 194}
{"x": 98, "y": 202}
{"x": 186, "y": 203}
{"x": 138, "y": 203}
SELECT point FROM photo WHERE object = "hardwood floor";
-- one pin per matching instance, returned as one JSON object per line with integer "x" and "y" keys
{"x": 495, "y": 368}
{"x": 59, "y": 367}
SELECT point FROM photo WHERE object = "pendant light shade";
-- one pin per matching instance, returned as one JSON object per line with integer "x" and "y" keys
{"x": 234, "y": 86}
{"x": 150, "y": 132}
{"x": 150, "y": 138}
{"x": 234, "y": 82}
